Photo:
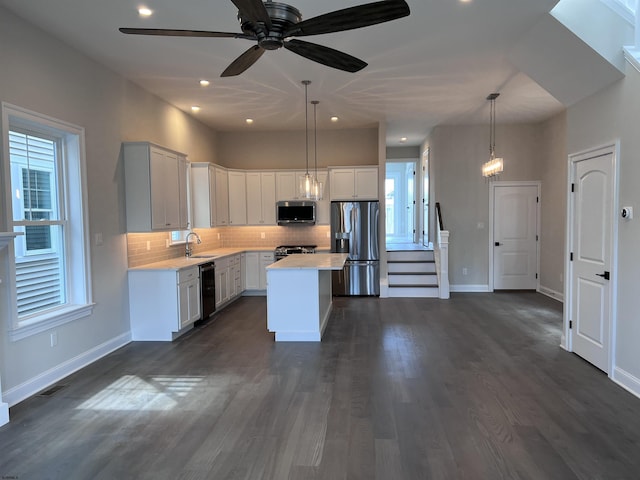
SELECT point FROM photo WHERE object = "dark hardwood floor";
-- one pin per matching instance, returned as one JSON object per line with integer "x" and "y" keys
{"x": 475, "y": 387}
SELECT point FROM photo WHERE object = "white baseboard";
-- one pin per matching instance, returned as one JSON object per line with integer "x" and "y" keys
{"x": 551, "y": 293}
{"x": 468, "y": 288}
{"x": 51, "y": 376}
{"x": 627, "y": 381}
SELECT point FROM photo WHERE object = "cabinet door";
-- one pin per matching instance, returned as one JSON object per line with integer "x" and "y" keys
{"x": 268, "y": 198}
{"x": 171, "y": 192}
{"x": 366, "y": 183}
{"x": 237, "y": 198}
{"x": 265, "y": 260}
{"x": 222, "y": 197}
{"x": 341, "y": 183}
{"x": 213, "y": 218}
{"x": 188, "y": 302}
{"x": 286, "y": 188}
{"x": 254, "y": 198}
{"x": 323, "y": 207}
{"x": 157, "y": 172}
{"x": 252, "y": 271}
{"x": 182, "y": 199}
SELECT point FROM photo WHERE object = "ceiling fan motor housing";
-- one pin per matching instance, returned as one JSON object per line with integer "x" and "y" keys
{"x": 282, "y": 17}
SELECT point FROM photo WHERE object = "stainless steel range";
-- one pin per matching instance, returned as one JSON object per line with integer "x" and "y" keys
{"x": 284, "y": 250}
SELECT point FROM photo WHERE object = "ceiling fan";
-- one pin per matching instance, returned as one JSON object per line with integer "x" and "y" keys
{"x": 272, "y": 23}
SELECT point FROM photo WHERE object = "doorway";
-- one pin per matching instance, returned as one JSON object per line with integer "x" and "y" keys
{"x": 514, "y": 226}
{"x": 400, "y": 202}
{"x": 591, "y": 240}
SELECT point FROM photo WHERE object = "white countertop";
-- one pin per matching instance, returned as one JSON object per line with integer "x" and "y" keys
{"x": 317, "y": 261}
{"x": 198, "y": 258}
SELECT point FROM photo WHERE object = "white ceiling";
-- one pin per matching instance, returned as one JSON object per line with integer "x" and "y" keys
{"x": 434, "y": 67}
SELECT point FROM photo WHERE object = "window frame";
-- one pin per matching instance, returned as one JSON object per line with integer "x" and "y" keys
{"x": 72, "y": 215}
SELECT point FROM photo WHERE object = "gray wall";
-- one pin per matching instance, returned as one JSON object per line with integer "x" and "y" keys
{"x": 600, "y": 119}
{"x": 396, "y": 153}
{"x": 286, "y": 149}
{"x": 44, "y": 75}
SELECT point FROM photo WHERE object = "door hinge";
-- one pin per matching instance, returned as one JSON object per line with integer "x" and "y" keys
{"x": 570, "y": 324}
{"x": 571, "y": 257}
{"x": 537, "y": 199}
{"x": 536, "y": 275}
{"x": 536, "y": 238}
{"x": 573, "y": 187}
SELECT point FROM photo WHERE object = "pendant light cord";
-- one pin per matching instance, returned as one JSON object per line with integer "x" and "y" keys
{"x": 306, "y": 121}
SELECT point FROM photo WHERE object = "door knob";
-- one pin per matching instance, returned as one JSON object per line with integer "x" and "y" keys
{"x": 604, "y": 275}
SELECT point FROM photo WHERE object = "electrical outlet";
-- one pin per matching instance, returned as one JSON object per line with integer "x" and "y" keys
{"x": 98, "y": 238}
{"x": 148, "y": 245}
{"x": 218, "y": 236}
{"x": 465, "y": 271}
{"x": 328, "y": 234}
{"x": 166, "y": 242}
{"x": 262, "y": 235}
{"x": 54, "y": 339}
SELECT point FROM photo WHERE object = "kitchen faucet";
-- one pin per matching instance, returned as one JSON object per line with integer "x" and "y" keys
{"x": 187, "y": 245}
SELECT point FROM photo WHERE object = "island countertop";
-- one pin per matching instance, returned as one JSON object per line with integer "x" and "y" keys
{"x": 316, "y": 261}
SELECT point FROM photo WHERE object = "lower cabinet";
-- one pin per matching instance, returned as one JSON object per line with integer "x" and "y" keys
{"x": 255, "y": 269}
{"x": 163, "y": 302}
{"x": 228, "y": 279}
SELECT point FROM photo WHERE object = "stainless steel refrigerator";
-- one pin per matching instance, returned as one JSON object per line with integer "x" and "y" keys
{"x": 354, "y": 230}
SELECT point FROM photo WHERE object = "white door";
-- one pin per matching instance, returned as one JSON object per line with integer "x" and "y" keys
{"x": 591, "y": 248}
{"x": 515, "y": 249}
{"x": 425, "y": 198}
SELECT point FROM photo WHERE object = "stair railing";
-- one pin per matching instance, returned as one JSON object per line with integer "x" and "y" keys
{"x": 442, "y": 255}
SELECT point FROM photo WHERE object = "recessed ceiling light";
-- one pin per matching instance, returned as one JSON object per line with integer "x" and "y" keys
{"x": 145, "y": 12}
{"x": 204, "y": 83}
{"x": 334, "y": 119}
{"x": 466, "y": 1}
{"x": 195, "y": 108}
{"x": 249, "y": 121}
{"x": 403, "y": 139}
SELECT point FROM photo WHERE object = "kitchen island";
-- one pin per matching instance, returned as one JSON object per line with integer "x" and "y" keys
{"x": 299, "y": 295}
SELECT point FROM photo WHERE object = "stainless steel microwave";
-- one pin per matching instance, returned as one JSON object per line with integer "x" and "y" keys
{"x": 296, "y": 212}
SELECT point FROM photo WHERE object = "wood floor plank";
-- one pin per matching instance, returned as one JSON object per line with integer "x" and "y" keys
{"x": 474, "y": 387}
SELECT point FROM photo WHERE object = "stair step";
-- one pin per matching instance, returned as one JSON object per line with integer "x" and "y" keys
{"x": 411, "y": 267}
{"x": 410, "y": 255}
{"x": 413, "y": 279}
{"x": 413, "y": 292}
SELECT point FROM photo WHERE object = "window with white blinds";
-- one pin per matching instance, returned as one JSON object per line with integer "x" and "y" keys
{"x": 48, "y": 195}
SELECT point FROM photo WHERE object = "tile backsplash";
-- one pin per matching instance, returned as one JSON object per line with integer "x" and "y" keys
{"x": 143, "y": 248}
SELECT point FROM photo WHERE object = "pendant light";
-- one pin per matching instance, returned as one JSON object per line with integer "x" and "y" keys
{"x": 494, "y": 166}
{"x": 306, "y": 182}
{"x": 318, "y": 186}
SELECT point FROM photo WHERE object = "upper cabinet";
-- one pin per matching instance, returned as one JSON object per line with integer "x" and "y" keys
{"x": 209, "y": 195}
{"x": 237, "y": 198}
{"x": 359, "y": 183}
{"x": 155, "y": 188}
{"x": 261, "y": 198}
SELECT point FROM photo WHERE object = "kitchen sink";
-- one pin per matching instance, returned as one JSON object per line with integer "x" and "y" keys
{"x": 204, "y": 256}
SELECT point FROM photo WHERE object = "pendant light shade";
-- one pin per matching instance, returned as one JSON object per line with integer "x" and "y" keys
{"x": 318, "y": 186}
{"x": 306, "y": 182}
{"x": 495, "y": 165}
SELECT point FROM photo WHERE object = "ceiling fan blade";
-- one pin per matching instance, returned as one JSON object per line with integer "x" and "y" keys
{"x": 165, "y": 32}
{"x": 325, "y": 55}
{"x": 350, "y": 18}
{"x": 244, "y": 61}
{"x": 253, "y": 10}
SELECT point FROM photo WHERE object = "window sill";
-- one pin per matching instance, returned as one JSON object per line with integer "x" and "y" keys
{"x": 632, "y": 55}
{"x": 42, "y": 323}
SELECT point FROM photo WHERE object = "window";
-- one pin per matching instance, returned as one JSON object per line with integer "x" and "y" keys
{"x": 46, "y": 181}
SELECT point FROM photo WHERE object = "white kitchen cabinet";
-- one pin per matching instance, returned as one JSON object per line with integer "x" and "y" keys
{"x": 209, "y": 195}
{"x": 228, "y": 279}
{"x": 163, "y": 303}
{"x": 222, "y": 196}
{"x": 323, "y": 207}
{"x": 288, "y": 184}
{"x": 237, "y": 197}
{"x": 360, "y": 183}
{"x": 261, "y": 198}
{"x": 155, "y": 188}
{"x": 255, "y": 269}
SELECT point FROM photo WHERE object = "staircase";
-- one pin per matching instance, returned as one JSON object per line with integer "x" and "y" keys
{"x": 412, "y": 273}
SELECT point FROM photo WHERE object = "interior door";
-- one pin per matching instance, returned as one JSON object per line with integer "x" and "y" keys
{"x": 515, "y": 250}
{"x": 592, "y": 258}
{"x": 425, "y": 198}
